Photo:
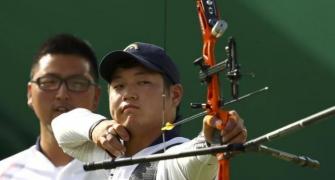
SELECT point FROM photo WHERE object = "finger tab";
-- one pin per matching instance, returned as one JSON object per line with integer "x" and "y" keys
{"x": 214, "y": 122}
{"x": 208, "y": 120}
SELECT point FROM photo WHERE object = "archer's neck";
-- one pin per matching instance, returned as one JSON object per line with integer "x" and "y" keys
{"x": 51, "y": 150}
{"x": 140, "y": 142}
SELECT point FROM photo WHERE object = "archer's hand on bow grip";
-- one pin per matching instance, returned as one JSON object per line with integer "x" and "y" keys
{"x": 233, "y": 131}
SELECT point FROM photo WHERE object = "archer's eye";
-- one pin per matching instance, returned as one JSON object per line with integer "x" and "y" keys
{"x": 48, "y": 82}
{"x": 78, "y": 84}
{"x": 117, "y": 86}
{"x": 144, "y": 82}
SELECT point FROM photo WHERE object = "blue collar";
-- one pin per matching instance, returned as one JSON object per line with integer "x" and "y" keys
{"x": 38, "y": 144}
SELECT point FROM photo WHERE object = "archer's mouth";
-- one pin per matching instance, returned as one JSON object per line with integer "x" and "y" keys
{"x": 128, "y": 107}
{"x": 62, "y": 109}
{"x": 58, "y": 110}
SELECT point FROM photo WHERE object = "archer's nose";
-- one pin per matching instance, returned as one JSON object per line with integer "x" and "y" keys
{"x": 130, "y": 97}
{"x": 62, "y": 92}
{"x": 130, "y": 94}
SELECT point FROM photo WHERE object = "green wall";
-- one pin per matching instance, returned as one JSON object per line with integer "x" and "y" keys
{"x": 287, "y": 44}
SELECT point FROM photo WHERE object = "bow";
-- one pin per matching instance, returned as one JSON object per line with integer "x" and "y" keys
{"x": 212, "y": 28}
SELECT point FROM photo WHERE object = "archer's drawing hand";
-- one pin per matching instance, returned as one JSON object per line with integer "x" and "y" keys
{"x": 233, "y": 132}
{"x": 109, "y": 135}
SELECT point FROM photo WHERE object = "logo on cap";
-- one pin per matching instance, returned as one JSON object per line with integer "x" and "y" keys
{"x": 131, "y": 47}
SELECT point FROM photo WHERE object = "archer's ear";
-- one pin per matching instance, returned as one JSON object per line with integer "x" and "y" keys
{"x": 29, "y": 98}
{"x": 176, "y": 93}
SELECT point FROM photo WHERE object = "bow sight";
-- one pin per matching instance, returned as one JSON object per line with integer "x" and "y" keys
{"x": 230, "y": 63}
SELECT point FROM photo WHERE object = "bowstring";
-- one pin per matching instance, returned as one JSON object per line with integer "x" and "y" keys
{"x": 164, "y": 91}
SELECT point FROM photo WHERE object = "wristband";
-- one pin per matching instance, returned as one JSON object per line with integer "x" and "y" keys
{"x": 93, "y": 126}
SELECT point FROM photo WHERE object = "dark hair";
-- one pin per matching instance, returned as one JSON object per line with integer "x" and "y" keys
{"x": 69, "y": 45}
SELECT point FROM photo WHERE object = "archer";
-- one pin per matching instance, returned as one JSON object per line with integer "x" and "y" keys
{"x": 144, "y": 90}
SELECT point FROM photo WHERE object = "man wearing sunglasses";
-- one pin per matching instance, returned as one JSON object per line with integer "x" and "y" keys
{"x": 63, "y": 77}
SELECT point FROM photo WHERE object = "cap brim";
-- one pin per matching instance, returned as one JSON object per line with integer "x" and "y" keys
{"x": 109, "y": 61}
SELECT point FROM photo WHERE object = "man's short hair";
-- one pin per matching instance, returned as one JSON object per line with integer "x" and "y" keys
{"x": 69, "y": 45}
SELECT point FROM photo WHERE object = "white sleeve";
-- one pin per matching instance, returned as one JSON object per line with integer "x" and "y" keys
{"x": 193, "y": 167}
{"x": 71, "y": 131}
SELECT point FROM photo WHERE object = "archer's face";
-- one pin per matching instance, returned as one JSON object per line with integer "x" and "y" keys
{"x": 136, "y": 100}
{"x": 47, "y": 104}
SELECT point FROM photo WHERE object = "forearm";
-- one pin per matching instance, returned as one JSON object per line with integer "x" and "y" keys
{"x": 194, "y": 167}
{"x": 71, "y": 131}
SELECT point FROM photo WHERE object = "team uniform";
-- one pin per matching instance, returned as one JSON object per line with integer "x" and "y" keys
{"x": 33, "y": 164}
{"x": 74, "y": 140}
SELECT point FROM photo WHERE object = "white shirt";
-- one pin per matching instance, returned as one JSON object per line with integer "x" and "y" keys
{"x": 32, "y": 164}
{"x": 71, "y": 130}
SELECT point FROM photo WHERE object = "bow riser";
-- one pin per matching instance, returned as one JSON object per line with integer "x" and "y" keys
{"x": 209, "y": 20}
